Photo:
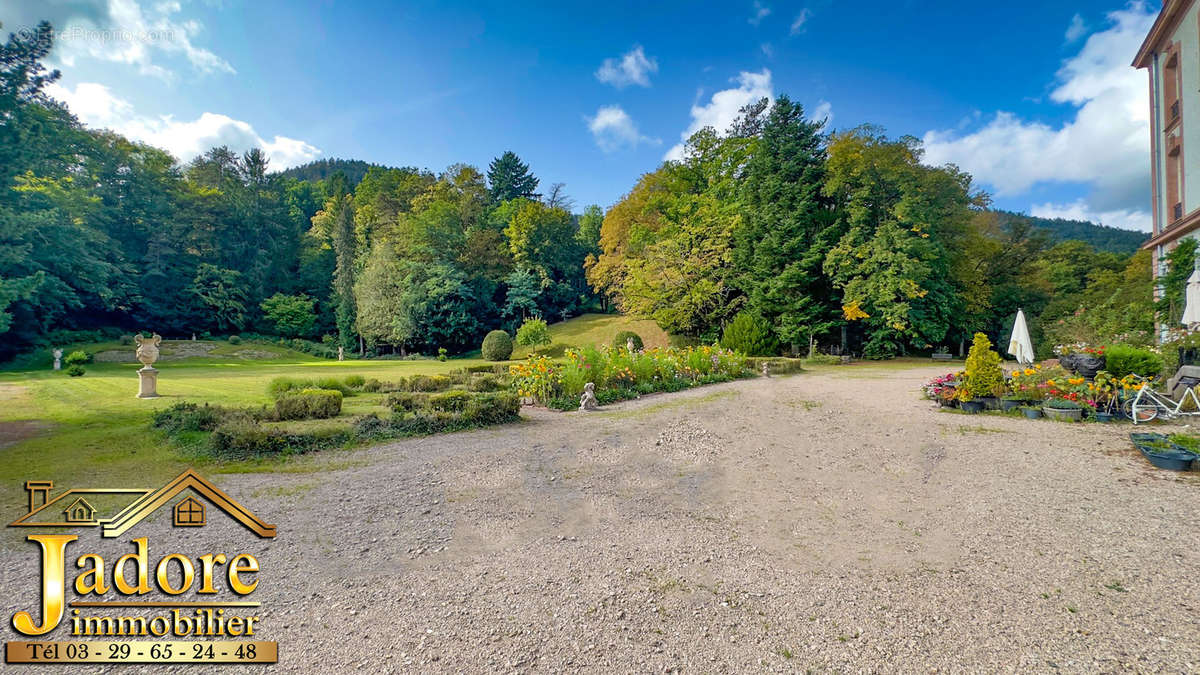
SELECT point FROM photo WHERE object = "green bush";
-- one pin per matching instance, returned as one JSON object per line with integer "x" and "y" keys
{"x": 492, "y": 408}
{"x": 372, "y": 385}
{"x": 242, "y": 437}
{"x": 820, "y": 359}
{"x": 77, "y": 358}
{"x": 442, "y": 353}
{"x": 450, "y": 401}
{"x": 1122, "y": 360}
{"x": 235, "y": 340}
{"x": 533, "y": 332}
{"x": 126, "y": 339}
{"x": 355, "y": 381}
{"x": 309, "y": 404}
{"x": 621, "y": 341}
{"x": 76, "y": 371}
{"x": 984, "y": 375}
{"x": 486, "y": 382}
{"x": 188, "y": 417}
{"x": 497, "y": 346}
{"x": 406, "y": 401}
{"x": 751, "y": 335}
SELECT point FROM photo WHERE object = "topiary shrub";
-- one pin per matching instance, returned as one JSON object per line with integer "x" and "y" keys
{"x": 1122, "y": 360}
{"x": 751, "y": 335}
{"x": 235, "y": 340}
{"x": 77, "y": 358}
{"x": 497, "y": 346}
{"x": 243, "y": 437}
{"x": 372, "y": 385}
{"x": 442, "y": 354}
{"x": 621, "y": 341}
{"x": 533, "y": 332}
{"x": 76, "y": 371}
{"x": 984, "y": 376}
{"x": 354, "y": 381}
{"x": 309, "y": 404}
{"x": 486, "y": 382}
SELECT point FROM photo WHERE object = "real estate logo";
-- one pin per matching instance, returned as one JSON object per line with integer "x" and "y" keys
{"x": 211, "y": 576}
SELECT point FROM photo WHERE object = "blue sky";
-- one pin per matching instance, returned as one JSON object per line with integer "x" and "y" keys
{"x": 1036, "y": 99}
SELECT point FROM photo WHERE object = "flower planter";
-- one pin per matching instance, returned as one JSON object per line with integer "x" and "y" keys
{"x": 1008, "y": 405}
{"x": 1103, "y": 417}
{"x": 1063, "y": 414}
{"x": 1174, "y": 458}
{"x": 990, "y": 402}
{"x": 1032, "y": 413}
{"x": 973, "y": 407}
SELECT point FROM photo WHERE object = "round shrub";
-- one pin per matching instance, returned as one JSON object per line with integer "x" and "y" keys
{"x": 621, "y": 341}
{"x": 77, "y": 358}
{"x": 235, "y": 340}
{"x": 76, "y": 371}
{"x": 533, "y": 332}
{"x": 749, "y": 334}
{"x": 355, "y": 381}
{"x": 497, "y": 346}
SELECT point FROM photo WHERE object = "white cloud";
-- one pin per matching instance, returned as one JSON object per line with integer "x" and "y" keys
{"x": 96, "y": 105}
{"x": 722, "y": 109}
{"x": 801, "y": 19}
{"x": 823, "y": 111}
{"x": 613, "y": 129}
{"x": 1079, "y": 210}
{"x": 1105, "y": 146}
{"x": 118, "y": 31}
{"x": 632, "y": 68}
{"x": 1076, "y": 30}
{"x": 761, "y": 12}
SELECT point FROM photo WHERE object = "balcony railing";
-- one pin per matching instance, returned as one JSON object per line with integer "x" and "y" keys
{"x": 1175, "y": 111}
{"x": 1177, "y": 212}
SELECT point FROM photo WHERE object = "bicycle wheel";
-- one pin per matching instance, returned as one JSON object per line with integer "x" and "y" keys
{"x": 1145, "y": 413}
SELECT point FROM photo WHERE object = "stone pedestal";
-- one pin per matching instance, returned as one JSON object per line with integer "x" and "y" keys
{"x": 147, "y": 382}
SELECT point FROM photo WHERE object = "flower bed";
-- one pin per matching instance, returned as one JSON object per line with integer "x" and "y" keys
{"x": 620, "y": 374}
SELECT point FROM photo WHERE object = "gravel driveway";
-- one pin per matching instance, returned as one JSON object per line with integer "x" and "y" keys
{"x": 827, "y": 521}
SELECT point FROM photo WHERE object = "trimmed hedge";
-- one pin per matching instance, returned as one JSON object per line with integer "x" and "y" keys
{"x": 1122, "y": 360}
{"x": 309, "y": 404}
{"x": 778, "y": 366}
{"x": 497, "y": 346}
{"x": 286, "y": 385}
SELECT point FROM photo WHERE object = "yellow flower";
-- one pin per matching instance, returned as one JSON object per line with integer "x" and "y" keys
{"x": 1029, "y": 371}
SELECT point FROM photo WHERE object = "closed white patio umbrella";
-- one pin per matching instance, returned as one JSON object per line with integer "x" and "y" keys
{"x": 1019, "y": 345}
{"x": 1191, "y": 307}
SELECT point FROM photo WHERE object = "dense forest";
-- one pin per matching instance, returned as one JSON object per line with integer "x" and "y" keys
{"x": 841, "y": 240}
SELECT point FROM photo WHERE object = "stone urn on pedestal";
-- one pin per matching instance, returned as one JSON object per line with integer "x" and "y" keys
{"x": 147, "y": 353}
{"x": 58, "y": 359}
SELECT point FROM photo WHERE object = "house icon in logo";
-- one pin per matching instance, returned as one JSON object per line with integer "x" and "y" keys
{"x": 72, "y": 508}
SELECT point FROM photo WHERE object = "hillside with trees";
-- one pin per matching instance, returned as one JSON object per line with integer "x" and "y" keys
{"x": 1099, "y": 237}
{"x": 846, "y": 241}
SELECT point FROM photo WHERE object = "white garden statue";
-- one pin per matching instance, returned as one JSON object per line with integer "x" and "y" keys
{"x": 588, "y": 400}
{"x": 147, "y": 353}
{"x": 58, "y": 359}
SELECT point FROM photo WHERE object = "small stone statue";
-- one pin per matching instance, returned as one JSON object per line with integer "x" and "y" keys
{"x": 766, "y": 368}
{"x": 147, "y": 353}
{"x": 629, "y": 344}
{"x": 58, "y": 359}
{"x": 193, "y": 337}
{"x": 341, "y": 353}
{"x": 588, "y": 400}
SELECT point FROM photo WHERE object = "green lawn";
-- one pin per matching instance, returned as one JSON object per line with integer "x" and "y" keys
{"x": 600, "y": 329}
{"x": 95, "y": 431}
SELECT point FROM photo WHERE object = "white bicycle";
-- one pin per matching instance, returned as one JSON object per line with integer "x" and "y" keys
{"x": 1149, "y": 405}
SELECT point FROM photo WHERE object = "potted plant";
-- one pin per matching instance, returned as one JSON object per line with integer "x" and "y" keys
{"x": 1031, "y": 412}
{"x": 1163, "y": 452}
{"x": 983, "y": 378}
{"x": 969, "y": 403}
{"x": 1062, "y": 409}
{"x": 1010, "y": 402}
